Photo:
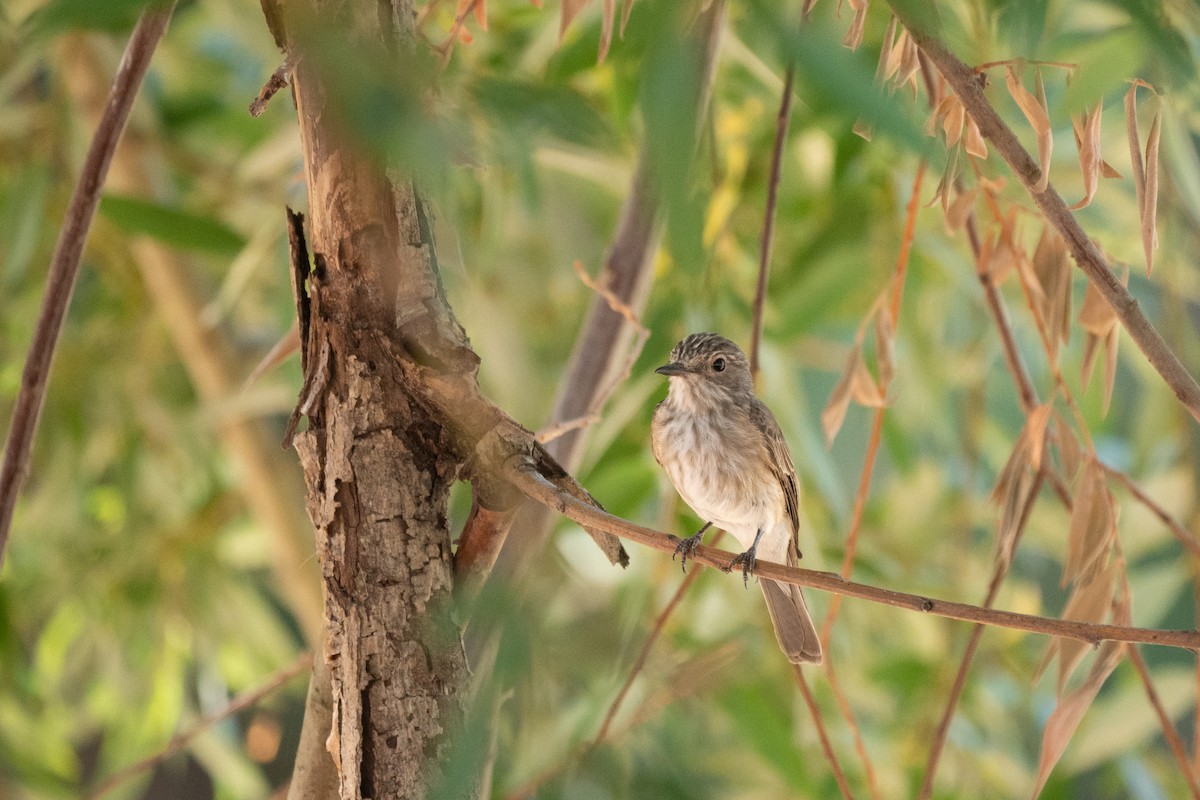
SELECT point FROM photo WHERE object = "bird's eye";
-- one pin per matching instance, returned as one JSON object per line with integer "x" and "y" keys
{"x": 719, "y": 365}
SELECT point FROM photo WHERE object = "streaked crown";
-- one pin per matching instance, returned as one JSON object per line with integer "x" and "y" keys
{"x": 700, "y": 347}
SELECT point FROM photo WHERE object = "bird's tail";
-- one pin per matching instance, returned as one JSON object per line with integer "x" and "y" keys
{"x": 793, "y": 626}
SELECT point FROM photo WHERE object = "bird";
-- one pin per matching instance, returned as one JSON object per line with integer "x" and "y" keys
{"x": 727, "y": 458}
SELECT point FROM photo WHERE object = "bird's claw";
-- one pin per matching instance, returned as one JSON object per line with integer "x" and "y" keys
{"x": 687, "y": 548}
{"x": 747, "y": 560}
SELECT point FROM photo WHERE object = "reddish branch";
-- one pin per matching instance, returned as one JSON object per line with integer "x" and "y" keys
{"x": 768, "y": 230}
{"x": 532, "y": 484}
{"x": 968, "y": 85}
{"x": 183, "y": 740}
{"x": 64, "y": 265}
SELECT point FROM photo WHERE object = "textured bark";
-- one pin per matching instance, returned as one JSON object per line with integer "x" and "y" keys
{"x": 378, "y": 464}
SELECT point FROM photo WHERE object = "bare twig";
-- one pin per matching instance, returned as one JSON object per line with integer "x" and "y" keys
{"x": 1181, "y": 534}
{"x": 860, "y": 747}
{"x": 659, "y": 622}
{"x": 811, "y": 702}
{"x": 537, "y": 488}
{"x": 64, "y": 265}
{"x": 181, "y": 741}
{"x": 479, "y": 544}
{"x": 966, "y": 85}
{"x": 618, "y": 306}
{"x": 1168, "y": 728}
{"x": 768, "y": 229}
{"x": 964, "y": 666}
{"x": 277, "y": 81}
{"x": 868, "y": 468}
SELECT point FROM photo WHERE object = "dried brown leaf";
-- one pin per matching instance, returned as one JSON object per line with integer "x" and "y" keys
{"x": 953, "y": 124}
{"x": 993, "y": 185}
{"x": 1045, "y": 138}
{"x": 895, "y": 55}
{"x": 570, "y": 10}
{"x": 839, "y": 399}
{"x": 1107, "y": 170}
{"x": 1017, "y": 481}
{"x": 863, "y": 129}
{"x": 1065, "y": 718}
{"x": 866, "y": 391}
{"x": 910, "y": 64}
{"x": 885, "y": 345}
{"x": 1069, "y": 452}
{"x": 1093, "y": 525}
{"x": 1089, "y": 602}
{"x": 1110, "y": 365}
{"x": 854, "y": 35}
{"x": 960, "y": 209}
{"x": 1087, "y": 141}
{"x": 1135, "y": 146}
{"x": 1150, "y": 197}
{"x": 1052, "y": 268}
{"x": 885, "y": 51}
{"x": 939, "y": 113}
{"x": 974, "y": 143}
{"x": 1039, "y": 119}
{"x": 626, "y": 9}
{"x": 608, "y": 18}
{"x": 1035, "y": 425}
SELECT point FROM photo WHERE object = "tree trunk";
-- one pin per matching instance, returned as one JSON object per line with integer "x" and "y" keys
{"x": 378, "y": 464}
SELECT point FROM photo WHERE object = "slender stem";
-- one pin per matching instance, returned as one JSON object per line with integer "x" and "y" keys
{"x": 860, "y": 747}
{"x": 64, "y": 264}
{"x": 811, "y": 702}
{"x": 181, "y": 741}
{"x": 868, "y": 468}
{"x": 1164, "y": 720}
{"x": 768, "y": 229}
{"x": 964, "y": 666}
{"x": 537, "y": 488}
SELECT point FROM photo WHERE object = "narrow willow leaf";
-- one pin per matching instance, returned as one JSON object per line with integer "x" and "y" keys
{"x": 1087, "y": 141}
{"x": 976, "y": 146}
{"x": 1052, "y": 268}
{"x": 1065, "y": 718}
{"x": 1038, "y": 119}
{"x": 953, "y": 124}
{"x": 939, "y": 114}
{"x": 865, "y": 389}
{"x": 1070, "y": 454}
{"x": 1093, "y": 525}
{"x": 1107, "y": 170}
{"x": 1135, "y": 147}
{"x": 896, "y": 55}
{"x": 1089, "y": 602}
{"x": 839, "y": 399}
{"x": 1045, "y": 139}
{"x": 608, "y": 18}
{"x": 570, "y": 10}
{"x": 885, "y": 51}
{"x": 1110, "y": 365}
{"x": 1036, "y": 425}
{"x": 1150, "y": 196}
{"x": 885, "y": 344}
{"x": 863, "y": 129}
{"x": 626, "y": 8}
{"x": 854, "y": 35}
{"x": 960, "y": 209}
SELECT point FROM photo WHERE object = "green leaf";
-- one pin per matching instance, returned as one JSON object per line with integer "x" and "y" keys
{"x": 110, "y": 16}
{"x": 180, "y": 229}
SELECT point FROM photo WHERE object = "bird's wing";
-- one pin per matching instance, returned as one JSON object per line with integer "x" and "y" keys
{"x": 781, "y": 464}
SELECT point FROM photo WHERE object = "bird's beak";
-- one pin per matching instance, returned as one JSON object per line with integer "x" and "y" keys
{"x": 674, "y": 368}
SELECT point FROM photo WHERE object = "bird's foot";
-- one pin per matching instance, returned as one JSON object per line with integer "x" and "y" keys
{"x": 687, "y": 547}
{"x": 747, "y": 560}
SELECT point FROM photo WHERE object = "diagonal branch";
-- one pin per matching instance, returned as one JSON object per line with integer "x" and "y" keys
{"x": 527, "y": 479}
{"x": 64, "y": 265}
{"x": 968, "y": 85}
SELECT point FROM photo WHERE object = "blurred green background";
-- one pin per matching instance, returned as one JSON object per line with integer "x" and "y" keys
{"x": 161, "y": 562}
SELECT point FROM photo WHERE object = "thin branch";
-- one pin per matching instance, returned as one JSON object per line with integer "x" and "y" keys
{"x": 64, "y": 265}
{"x": 479, "y": 544}
{"x": 868, "y": 468}
{"x": 809, "y": 701}
{"x": 181, "y": 741}
{"x": 1168, "y": 728}
{"x": 533, "y": 485}
{"x": 768, "y": 229}
{"x": 966, "y": 84}
{"x": 659, "y": 622}
{"x": 1181, "y": 534}
{"x": 964, "y": 666}
{"x": 860, "y": 747}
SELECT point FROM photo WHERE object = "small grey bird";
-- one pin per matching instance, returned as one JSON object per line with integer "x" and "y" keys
{"x": 727, "y": 458}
